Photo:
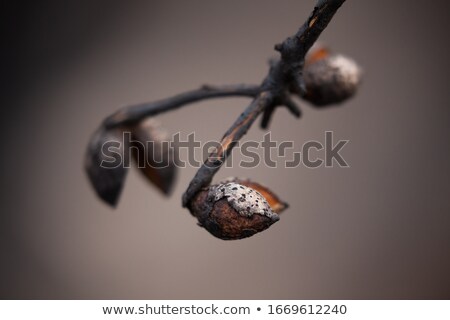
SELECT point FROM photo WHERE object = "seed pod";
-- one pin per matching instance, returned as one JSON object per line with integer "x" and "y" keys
{"x": 330, "y": 78}
{"x": 104, "y": 164}
{"x": 232, "y": 211}
{"x": 154, "y": 155}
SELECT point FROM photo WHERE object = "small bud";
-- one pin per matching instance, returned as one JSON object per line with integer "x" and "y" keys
{"x": 154, "y": 155}
{"x": 330, "y": 78}
{"x": 106, "y": 177}
{"x": 232, "y": 211}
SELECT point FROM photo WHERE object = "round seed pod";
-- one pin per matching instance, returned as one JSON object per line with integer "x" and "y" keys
{"x": 330, "y": 78}
{"x": 232, "y": 211}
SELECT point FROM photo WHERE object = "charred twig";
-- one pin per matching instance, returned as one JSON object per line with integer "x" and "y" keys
{"x": 293, "y": 50}
{"x": 137, "y": 112}
{"x": 215, "y": 160}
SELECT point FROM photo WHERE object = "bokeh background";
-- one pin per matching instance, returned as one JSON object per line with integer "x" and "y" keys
{"x": 377, "y": 230}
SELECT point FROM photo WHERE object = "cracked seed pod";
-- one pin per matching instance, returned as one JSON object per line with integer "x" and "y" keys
{"x": 153, "y": 154}
{"x": 330, "y": 78}
{"x": 104, "y": 164}
{"x": 275, "y": 203}
{"x": 232, "y": 211}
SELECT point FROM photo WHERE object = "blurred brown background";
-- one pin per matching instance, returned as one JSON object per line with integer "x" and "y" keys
{"x": 380, "y": 229}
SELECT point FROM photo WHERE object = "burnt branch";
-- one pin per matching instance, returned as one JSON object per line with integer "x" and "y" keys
{"x": 293, "y": 50}
{"x": 227, "y": 210}
{"x": 284, "y": 75}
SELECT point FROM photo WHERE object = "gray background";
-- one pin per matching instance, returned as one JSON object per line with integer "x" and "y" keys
{"x": 379, "y": 229}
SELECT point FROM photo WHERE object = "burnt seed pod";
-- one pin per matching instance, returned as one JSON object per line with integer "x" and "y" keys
{"x": 103, "y": 163}
{"x": 108, "y": 154}
{"x": 153, "y": 154}
{"x": 330, "y": 78}
{"x": 232, "y": 211}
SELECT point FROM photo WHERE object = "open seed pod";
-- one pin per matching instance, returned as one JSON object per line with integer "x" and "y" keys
{"x": 274, "y": 202}
{"x": 329, "y": 78}
{"x": 153, "y": 154}
{"x": 104, "y": 164}
{"x": 232, "y": 210}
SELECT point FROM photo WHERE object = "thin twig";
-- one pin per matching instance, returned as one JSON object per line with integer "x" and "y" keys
{"x": 134, "y": 113}
{"x": 215, "y": 160}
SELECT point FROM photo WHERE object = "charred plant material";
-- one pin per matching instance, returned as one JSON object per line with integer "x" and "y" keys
{"x": 231, "y": 211}
{"x": 137, "y": 112}
{"x": 153, "y": 154}
{"x": 225, "y": 209}
{"x": 330, "y": 78}
{"x": 107, "y": 178}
